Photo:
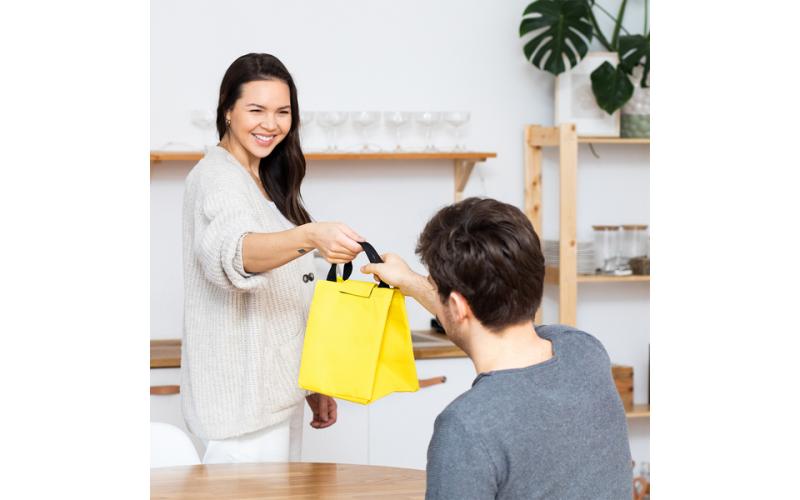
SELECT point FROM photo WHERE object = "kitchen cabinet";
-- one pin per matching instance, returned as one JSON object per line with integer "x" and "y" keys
{"x": 401, "y": 424}
{"x": 345, "y": 442}
{"x": 393, "y": 431}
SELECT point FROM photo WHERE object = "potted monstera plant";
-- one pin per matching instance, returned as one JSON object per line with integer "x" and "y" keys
{"x": 559, "y": 33}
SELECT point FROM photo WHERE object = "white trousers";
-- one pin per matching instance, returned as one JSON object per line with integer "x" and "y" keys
{"x": 278, "y": 443}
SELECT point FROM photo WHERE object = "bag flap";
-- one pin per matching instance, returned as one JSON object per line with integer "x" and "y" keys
{"x": 359, "y": 288}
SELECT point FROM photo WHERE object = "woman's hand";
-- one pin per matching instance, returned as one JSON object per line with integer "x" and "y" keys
{"x": 324, "y": 410}
{"x": 336, "y": 242}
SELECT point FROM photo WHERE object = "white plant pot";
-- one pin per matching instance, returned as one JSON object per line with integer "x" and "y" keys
{"x": 635, "y": 119}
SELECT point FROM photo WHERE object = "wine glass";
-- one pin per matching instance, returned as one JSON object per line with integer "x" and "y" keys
{"x": 363, "y": 120}
{"x": 306, "y": 118}
{"x": 428, "y": 119}
{"x": 331, "y": 121}
{"x": 395, "y": 120}
{"x": 206, "y": 120}
{"x": 457, "y": 119}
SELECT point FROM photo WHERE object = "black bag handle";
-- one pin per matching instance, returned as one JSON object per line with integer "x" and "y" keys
{"x": 373, "y": 257}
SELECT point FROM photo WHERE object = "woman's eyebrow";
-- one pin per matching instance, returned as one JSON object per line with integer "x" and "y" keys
{"x": 288, "y": 106}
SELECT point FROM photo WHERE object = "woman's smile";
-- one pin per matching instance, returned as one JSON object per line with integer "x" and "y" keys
{"x": 264, "y": 140}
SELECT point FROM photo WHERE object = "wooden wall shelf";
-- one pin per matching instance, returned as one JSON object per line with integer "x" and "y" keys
{"x": 639, "y": 411}
{"x": 613, "y": 140}
{"x": 158, "y": 156}
{"x": 463, "y": 161}
{"x": 537, "y": 136}
{"x": 594, "y": 278}
{"x": 551, "y": 276}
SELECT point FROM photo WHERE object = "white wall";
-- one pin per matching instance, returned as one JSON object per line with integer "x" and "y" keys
{"x": 382, "y": 55}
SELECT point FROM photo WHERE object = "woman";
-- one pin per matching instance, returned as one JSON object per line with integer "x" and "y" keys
{"x": 249, "y": 273}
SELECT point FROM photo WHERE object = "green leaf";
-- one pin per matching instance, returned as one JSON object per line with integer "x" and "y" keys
{"x": 562, "y": 23}
{"x": 635, "y": 50}
{"x": 618, "y": 23}
{"x": 611, "y": 86}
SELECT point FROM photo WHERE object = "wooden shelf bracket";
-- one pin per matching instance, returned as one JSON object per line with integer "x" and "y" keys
{"x": 462, "y": 171}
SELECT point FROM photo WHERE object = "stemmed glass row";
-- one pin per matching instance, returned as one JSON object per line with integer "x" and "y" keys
{"x": 331, "y": 122}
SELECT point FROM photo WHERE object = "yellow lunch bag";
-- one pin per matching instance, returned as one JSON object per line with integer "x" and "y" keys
{"x": 358, "y": 344}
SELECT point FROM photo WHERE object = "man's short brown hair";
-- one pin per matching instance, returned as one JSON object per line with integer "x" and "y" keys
{"x": 488, "y": 252}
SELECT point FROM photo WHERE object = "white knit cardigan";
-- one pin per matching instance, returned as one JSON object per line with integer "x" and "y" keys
{"x": 243, "y": 333}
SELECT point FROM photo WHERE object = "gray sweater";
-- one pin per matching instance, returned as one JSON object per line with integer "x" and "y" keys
{"x": 554, "y": 430}
{"x": 243, "y": 333}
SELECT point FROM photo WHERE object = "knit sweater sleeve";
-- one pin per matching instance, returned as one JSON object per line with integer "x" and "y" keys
{"x": 223, "y": 217}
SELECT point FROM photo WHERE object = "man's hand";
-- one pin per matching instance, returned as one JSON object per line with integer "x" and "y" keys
{"x": 394, "y": 271}
{"x": 324, "y": 409}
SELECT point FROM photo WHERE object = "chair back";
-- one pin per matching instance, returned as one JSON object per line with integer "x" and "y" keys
{"x": 170, "y": 446}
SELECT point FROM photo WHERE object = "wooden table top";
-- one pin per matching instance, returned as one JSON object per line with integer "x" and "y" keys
{"x": 286, "y": 480}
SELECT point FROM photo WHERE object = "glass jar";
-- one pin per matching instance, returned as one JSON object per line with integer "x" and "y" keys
{"x": 634, "y": 242}
{"x": 606, "y": 248}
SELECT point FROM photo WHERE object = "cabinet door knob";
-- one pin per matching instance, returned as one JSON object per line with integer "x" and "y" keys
{"x": 427, "y": 382}
{"x": 163, "y": 390}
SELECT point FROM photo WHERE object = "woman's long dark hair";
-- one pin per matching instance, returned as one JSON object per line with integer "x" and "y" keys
{"x": 282, "y": 171}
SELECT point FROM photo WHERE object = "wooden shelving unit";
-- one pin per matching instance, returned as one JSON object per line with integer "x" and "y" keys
{"x": 566, "y": 276}
{"x": 463, "y": 162}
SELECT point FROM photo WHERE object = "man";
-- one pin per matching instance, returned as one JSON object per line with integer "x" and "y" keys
{"x": 543, "y": 418}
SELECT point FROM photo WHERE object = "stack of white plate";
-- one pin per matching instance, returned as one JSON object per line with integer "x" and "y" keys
{"x": 586, "y": 264}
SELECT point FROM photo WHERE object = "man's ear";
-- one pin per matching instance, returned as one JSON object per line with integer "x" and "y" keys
{"x": 459, "y": 307}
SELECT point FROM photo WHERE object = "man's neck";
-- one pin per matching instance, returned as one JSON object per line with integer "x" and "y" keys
{"x": 517, "y": 346}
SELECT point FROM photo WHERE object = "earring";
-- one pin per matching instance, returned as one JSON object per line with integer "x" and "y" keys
{"x": 227, "y": 123}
